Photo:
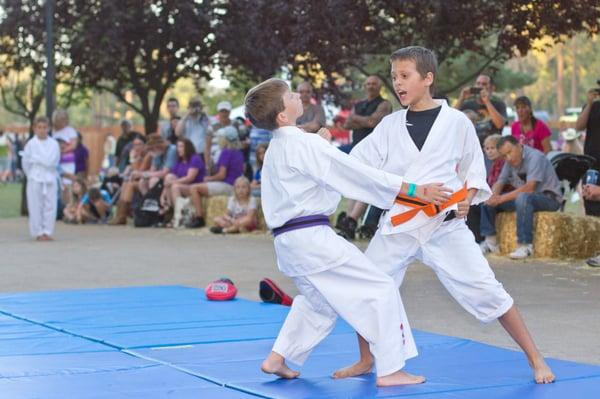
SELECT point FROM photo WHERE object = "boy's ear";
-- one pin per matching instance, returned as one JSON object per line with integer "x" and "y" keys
{"x": 429, "y": 78}
{"x": 282, "y": 119}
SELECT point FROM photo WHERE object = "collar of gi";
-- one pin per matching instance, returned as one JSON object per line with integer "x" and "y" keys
{"x": 287, "y": 130}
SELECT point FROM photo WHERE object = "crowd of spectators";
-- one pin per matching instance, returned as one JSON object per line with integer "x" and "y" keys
{"x": 194, "y": 156}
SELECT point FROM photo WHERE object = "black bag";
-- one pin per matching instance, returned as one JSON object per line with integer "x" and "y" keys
{"x": 147, "y": 214}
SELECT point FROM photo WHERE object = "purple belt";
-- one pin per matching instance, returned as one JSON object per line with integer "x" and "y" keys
{"x": 302, "y": 223}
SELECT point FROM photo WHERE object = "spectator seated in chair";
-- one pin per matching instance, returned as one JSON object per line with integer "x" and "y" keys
{"x": 189, "y": 169}
{"x": 537, "y": 188}
{"x": 229, "y": 167}
{"x": 138, "y": 163}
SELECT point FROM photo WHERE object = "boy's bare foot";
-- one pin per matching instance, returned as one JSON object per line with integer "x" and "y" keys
{"x": 359, "y": 368}
{"x": 46, "y": 237}
{"x": 39, "y": 238}
{"x": 399, "y": 378}
{"x": 542, "y": 373}
{"x": 275, "y": 364}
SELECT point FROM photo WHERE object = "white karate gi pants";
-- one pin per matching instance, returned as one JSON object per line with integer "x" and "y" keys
{"x": 363, "y": 296}
{"x": 41, "y": 203}
{"x": 455, "y": 257}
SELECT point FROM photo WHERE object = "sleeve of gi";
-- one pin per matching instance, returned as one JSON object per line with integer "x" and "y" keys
{"x": 340, "y": 172}
{"x": 372, "y": 150}
{"x": 471, "y": 167}
{"x": 26, "y": 159}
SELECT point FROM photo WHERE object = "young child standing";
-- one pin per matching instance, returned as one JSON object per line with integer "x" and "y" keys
{"x": 41, "y": 157}
{"x": 302, "y": 178}
{"x": 428, "y": 142}
{"x": 241, "y": 210}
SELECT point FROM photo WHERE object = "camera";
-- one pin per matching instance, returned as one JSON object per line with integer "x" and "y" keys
{"x": 475, "y": 90}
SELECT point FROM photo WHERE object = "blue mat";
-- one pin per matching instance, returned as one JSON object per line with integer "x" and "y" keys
{"x": 154, "y": 342}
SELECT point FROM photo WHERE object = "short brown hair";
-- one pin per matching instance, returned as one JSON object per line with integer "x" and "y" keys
{"x": 264, "y": 102}
{"x": 41, "y": 119}
{"x": 424, "y": 59}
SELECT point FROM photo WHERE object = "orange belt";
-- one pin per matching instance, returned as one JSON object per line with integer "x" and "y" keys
{"x": 429, "y": 208}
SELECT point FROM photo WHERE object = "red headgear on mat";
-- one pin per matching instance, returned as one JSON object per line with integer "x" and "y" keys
{"x": 271, "y": 293}
{"x": 222, "y": 289}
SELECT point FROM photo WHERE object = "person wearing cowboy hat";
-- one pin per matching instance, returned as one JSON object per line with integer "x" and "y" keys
{"x": 572, "y": 144}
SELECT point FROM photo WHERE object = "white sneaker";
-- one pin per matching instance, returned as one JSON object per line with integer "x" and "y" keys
{"x": 488, "y": 247}
{"x": 522, "y": 252}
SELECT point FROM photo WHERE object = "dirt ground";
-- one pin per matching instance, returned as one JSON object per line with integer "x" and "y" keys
{"x": 560, "y": 301}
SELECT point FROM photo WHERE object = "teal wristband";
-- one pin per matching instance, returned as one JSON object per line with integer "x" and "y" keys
{"x": 412, "y": 187}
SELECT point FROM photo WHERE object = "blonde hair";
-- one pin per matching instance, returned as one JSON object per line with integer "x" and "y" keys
{"x": 231, "y": 144}
{"x": 241, "y": 180}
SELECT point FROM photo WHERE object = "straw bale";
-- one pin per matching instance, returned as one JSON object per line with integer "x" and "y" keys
{"x": 555, "y": 234}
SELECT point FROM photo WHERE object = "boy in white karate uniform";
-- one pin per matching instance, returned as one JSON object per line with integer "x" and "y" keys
{"x": 40, "y": 164}
{"x": 432, "y": 142}
{"x": 302, "y": 177}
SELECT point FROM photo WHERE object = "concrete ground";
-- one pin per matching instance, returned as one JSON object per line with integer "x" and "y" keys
{"x": 560, "y": 301}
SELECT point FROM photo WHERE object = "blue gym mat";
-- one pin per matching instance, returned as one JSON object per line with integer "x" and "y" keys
{"x": 156, "y": 342}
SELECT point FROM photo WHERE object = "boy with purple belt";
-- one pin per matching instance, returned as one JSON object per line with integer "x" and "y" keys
{"x": 302, "y": 178}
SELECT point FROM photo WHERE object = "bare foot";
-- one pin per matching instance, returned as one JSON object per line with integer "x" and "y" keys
{"x": 399, "y": 378}
{"x": 46, "y": 237}
{"x": 275, "y": 364}
{"x": 542, "y": 373}
{"x": 359, "y": 368}
{"x": 39, "y": 238}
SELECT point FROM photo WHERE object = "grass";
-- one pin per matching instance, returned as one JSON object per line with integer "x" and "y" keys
{"x": 10, "y": 200}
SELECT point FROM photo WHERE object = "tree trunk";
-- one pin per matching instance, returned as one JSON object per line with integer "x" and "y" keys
{"x": 574, "y": 73}
{"x": 560, "y": 95}
{"x": 150, "y": 123}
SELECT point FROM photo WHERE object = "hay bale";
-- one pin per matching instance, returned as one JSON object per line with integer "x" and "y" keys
{"x": 217, "y": 206}
{"x": 555, "y": 234}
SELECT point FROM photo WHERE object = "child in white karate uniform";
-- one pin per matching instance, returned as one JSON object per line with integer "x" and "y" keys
{"x": 302, "y": 177}
{"x": 40, "y": 164}
{"x": 427, "y": 142}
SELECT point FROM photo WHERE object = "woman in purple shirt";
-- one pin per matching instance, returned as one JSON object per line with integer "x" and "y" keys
{"x": 229, "y": 167}
{"x": 188, "y": 170}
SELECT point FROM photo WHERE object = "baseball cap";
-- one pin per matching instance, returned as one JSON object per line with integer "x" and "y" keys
{"x": 224, "y": 106}
{"x": 230, "y": 133}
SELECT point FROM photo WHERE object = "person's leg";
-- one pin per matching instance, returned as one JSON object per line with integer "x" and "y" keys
{"x": 222, "y": 222}
{"x": 49, "y": 212}
{"x": 197, "y": 192}
{"x": 34, "y": 206}
{"x": 463, "y": 270}
{"x": 392, "y": 254}
{"x": 488, "y": 221}
{"x": 127, "y": 192}
{"x": 143, "y": 186}
{"x": 102, "y": 207}
{"x": 515, "y": 326}
{"x": 527, "y": 204}
{"x": 370, "y": 302}
{"x": 367, "y": 299}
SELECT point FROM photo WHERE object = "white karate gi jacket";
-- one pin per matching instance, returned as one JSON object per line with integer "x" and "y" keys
{"x": 451, "y": 155}
{"x": 40, "y": 160}
{"x": 304, "y": 175}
